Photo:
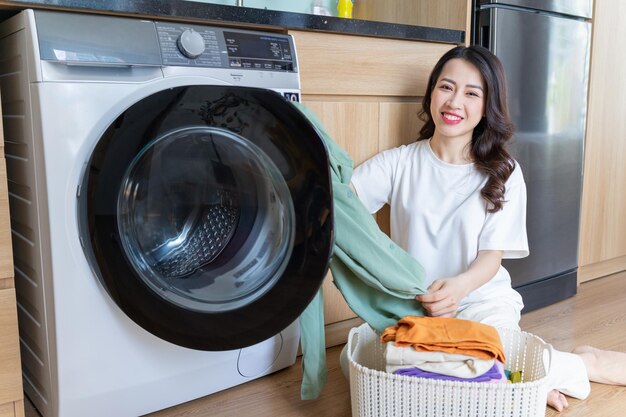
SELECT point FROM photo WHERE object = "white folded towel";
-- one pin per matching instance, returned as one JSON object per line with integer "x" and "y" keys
{"x": 451, "y": 364}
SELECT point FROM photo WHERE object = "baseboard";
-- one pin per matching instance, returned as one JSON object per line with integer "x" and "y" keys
{"x": 548, "y": 291}
{"x": 601, "y": 269}
{"x": 337, "y": 333}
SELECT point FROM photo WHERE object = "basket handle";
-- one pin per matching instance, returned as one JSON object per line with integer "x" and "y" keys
{"x": 547, "y": 357}
{"x": 353, "y": 341}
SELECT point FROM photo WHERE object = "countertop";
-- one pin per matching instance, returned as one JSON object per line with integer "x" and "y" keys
{"x": 241, "y": 16}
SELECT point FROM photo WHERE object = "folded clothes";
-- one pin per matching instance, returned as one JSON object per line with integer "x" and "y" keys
{"x": 452, "y": 364}
{"x": 450, "y": 335}
{"x": 495, "y": 374}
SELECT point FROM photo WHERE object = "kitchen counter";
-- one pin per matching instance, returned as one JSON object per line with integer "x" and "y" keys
{"x": 241, "y": 16}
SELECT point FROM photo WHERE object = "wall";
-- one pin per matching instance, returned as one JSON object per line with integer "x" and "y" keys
{"x": 296, "y": 6}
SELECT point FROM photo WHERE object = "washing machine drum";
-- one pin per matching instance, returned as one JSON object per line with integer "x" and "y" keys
{"x": 207, "y": 214}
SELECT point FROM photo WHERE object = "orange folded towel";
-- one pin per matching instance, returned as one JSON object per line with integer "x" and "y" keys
{"x": 449, "y": 335}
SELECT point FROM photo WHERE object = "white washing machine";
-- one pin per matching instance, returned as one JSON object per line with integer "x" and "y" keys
{"x": 171, "y": 211}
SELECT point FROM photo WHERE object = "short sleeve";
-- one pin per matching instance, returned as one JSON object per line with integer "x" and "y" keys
{"x": 505, "y": 230}
{"x": 373, "y": 179}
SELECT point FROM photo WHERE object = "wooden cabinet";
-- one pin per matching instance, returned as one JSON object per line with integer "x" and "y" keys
{"x": 367, "y": 92}
{"x": 603, "y": 225}
{"x": 360, "y": 66}
{"x": 11, "y": 394}
{"x": 447, "y": 14}
{"x": 363, "y": 129}
{"x": 354, "y": 126}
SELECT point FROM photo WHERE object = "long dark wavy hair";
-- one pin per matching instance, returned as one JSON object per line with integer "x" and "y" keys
{"x": 490, "y": 136}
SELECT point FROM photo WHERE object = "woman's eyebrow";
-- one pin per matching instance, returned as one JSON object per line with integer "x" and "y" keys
{"x": 469, "y": 85}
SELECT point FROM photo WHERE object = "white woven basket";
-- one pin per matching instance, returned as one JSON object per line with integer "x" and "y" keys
{"x": 376, "y": 393}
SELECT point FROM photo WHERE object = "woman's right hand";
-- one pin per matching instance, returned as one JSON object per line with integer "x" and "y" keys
{"x": 445, "y": 294}
{"x": 443, "y": 297}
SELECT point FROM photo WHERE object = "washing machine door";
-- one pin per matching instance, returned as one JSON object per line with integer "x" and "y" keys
{"x": 207, "y": 214}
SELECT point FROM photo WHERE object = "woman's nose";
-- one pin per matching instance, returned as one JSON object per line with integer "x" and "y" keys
{"x": 454, "y": 100}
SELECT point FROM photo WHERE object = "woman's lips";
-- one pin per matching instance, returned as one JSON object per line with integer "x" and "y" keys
{"x": 451, "y": 119}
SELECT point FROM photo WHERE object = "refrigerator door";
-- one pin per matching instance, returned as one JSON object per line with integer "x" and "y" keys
{"x": 580, "y": 8}
{"x": 546, "y": 59}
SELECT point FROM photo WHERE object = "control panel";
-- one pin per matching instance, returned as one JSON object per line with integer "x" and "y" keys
{"x": 235, "y": 56}
{"x": 204, "y": 46}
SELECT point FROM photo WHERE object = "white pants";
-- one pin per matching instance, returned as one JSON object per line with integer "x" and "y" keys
{"x": 567, "y": 372}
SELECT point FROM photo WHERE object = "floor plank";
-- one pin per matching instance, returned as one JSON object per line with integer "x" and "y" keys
{"x": 596, "y": 316}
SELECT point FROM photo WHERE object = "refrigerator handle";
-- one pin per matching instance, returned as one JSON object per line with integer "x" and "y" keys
{"x": 485, "y": 28}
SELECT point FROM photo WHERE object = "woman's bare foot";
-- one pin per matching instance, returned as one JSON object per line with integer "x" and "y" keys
{"x": 603, "y": 366}
{"x": 557, "y": 400}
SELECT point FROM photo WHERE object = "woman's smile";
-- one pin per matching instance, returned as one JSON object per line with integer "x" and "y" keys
{"x": 451, "y": 118}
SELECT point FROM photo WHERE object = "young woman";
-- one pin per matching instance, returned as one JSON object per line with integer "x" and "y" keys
{"x": 458, "y": 205}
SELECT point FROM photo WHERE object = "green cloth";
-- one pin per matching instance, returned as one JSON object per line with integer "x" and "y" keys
{"x": 377, "y": 278}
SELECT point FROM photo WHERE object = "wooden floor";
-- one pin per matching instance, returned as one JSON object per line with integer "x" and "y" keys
{"x": 596, "y": 316}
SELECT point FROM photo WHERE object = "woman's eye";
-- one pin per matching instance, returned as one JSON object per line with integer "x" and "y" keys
{"x": 445, "y": 87}
{"x": 473, "y": 94}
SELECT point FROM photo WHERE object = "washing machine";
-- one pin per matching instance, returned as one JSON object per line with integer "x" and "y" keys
{"x": 171, "y": 210}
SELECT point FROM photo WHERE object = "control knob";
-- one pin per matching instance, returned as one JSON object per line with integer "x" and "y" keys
{"x": 190, "y": 43}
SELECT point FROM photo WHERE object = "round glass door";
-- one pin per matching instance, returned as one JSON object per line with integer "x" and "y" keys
{"x": 206, "y": 214}
{"x": 185, "y": 198}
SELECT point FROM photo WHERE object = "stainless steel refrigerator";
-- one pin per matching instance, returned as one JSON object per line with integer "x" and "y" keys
{"x": 544, "y": 46}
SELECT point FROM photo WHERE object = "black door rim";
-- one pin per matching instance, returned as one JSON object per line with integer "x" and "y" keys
{"x": 275, "y": 127}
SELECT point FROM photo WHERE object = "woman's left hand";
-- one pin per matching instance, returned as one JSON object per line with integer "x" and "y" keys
{"x": 443, "y": 297}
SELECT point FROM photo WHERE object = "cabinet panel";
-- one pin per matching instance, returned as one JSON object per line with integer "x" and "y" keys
{"x": 10, "y": 371}
{"x": 15, "y": 409}
{"x": 358, "y": 65}
{"x": 363, "y": 129}
{"x": 446, "y": 14}
{"x": 399, "y": 125}
{"x": 354, "y": 126}
{"x": 6, "y": 251}
{"x": 7, "y": 410}
{"x": 602, "y": 237}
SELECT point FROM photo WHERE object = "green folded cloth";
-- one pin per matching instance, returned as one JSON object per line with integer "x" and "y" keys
{"x": 377, "y": 278}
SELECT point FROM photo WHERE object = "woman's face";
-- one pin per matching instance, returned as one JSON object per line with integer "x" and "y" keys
{"x": 458, "y": 100}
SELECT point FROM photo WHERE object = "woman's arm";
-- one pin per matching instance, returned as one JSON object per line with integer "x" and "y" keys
{"x": 444, "y": 295}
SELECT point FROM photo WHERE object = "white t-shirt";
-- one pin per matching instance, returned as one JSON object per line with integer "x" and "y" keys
{"x": 439, "y": 216}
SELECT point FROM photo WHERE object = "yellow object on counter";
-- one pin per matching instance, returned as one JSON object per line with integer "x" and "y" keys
{"x": 344, "y": 8}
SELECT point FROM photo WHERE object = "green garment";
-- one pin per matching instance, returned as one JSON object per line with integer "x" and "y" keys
{"x": 377, "y": 278}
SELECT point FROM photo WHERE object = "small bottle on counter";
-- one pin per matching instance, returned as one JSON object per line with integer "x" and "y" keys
{"x": 344, "y": 8}
{"x": 319, "y": 9}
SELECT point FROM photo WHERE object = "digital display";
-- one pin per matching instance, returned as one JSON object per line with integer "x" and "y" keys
{"x": 263, "y": 52}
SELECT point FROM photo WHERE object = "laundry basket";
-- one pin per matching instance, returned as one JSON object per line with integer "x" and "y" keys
{"x": 376, "y": 393}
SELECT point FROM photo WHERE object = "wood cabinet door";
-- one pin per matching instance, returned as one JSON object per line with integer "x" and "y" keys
{"x": 602, "y": 248}
{"x": 10, "y": 369}
{"x": 399, "y": 125}
{"x": 344, "y": 65}
{"x": 11, "y": 395}
{"x": 354, "y": 126}
{"x": 363, "y": 129}
{"x": 446, "y": 14}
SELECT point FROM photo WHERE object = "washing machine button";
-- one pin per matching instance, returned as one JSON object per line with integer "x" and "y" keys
{"x": 190, "y": 43}
{"x": 257, "y": 359}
